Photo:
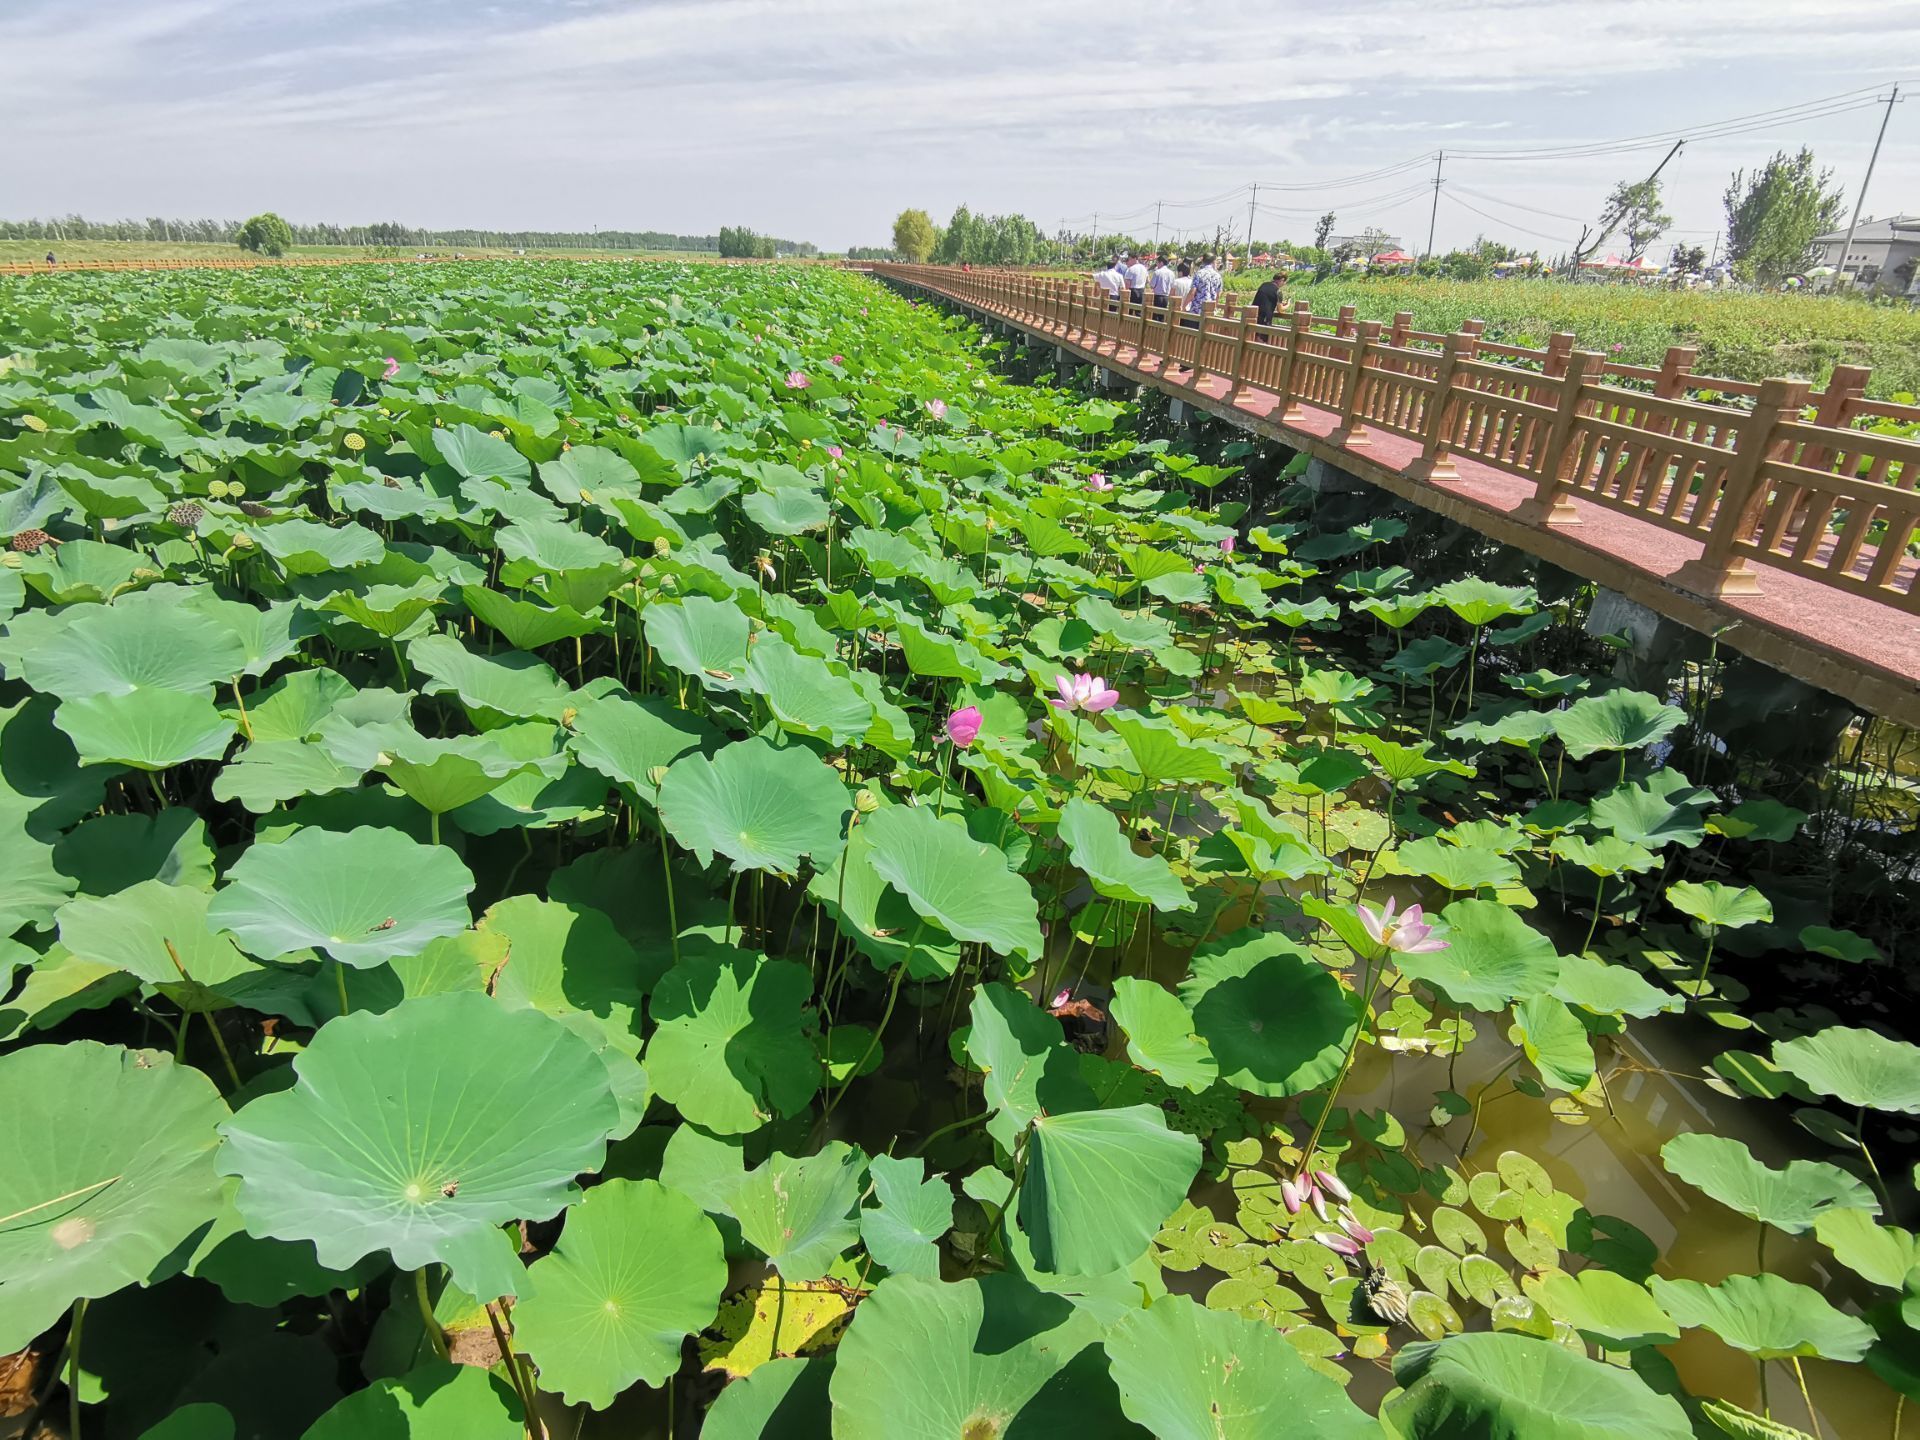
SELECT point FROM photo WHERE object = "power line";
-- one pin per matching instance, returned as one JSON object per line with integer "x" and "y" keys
{"x": 1513, "y": 204}
{"x": 1348, "y": 181}
{"x": 1707, "y": 130}
{"x": 1500, "y": 220}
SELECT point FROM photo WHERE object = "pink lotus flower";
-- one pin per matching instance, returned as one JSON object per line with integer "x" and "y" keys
{"x": 1617, "y": 347}
{"x": 1226, "y": 546}
{"x": 1339, "y": 1244}
{"x": 839, "y": 359}
{"x": 963, "y": 726}
{"x": 797, "y": 380}
{"x": 937, "y": 409}
{"x": 1083, "y": 692}
{"x": 1333, "y": 1185}
{"x": 1293, "y": 1195}
{"x": 1099, "y": 482}
{"x": 835, "y": 451}
{"x": 1355, "y": 1230}
{"x": 1319, "y": 1203}
{"x": 393, "y": 369}
{"x": 1409, "y": 934}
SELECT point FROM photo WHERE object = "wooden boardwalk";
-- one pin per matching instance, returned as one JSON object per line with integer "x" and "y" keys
{"x": 1779, "y": 523}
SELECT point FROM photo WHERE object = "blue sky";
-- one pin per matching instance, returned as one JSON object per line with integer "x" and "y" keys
{"x": 820, "y": 119}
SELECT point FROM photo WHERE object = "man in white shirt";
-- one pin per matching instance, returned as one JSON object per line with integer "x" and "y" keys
{"x": 1137, "y": 280}
{"x": 1162, "y": 283}
{"x": 1112, "y": 280}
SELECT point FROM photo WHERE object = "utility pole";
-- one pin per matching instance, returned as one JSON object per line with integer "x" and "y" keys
{"x": 1433, "y": 214}
{"x": 1861, "y": 199}
{"x": 1156, "y": 227}
{"x": 1096, "y": 237}
{"x": 1252, "y": 201}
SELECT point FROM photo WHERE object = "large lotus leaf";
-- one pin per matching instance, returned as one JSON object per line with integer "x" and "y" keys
{"x": 781, "y": 1400}
{"x": 512, "y": 683}
{"x": 1029, "y": 1068}
{"x": 110, "y": 852}
{"x": 147, "y": 729}
{"x": 363, "y": 896}
{"x": 1606, "y": 1308}
{"x": 1189, "y": 1373}
{"x": 762, "y": 808}
{"x": 807, "y": 694}
{"x": 701, "y": 638}
{"x": 1720, "y": 907}
{"x": 40, "y": 769}
{"x": 1791, "y": 1199}
{"x": 306, "y": 547}
{"x": 116, "y": 650}
{"x": 476, "y": 455}
{"x": 1856, "y": 1067}
{"x": 1481, "y": 602}
{"x": 902, "y": 1231}
{"x": 637, "y": 1269}
{"x": 577, "y": 476}
{"x": 959, "y": 883}
{"x": 109, "y": 1166}
{"x": 1492, "y": 959}
{"x": 1554, "y": 1040}
{"x": 1765, "y": 1316}
{"x": 1278, "y": 1023}
{"x": 878, "y": 918}
{"x": 1608, "y": 855}
{"x": 1099, "y": 1184}
{"x": 786, "y": 510}
{"x": 533, "y": 797}
{"x": 420, "y": 1132}
{"x": 443, "y": 773}
{"x": 627, "y": 737}
{"x": 1608, "y": 989}
{"x": 1096, "y": 843}
{"x": 435, "y": 1401}
{"x": 799, "y": 1212}
{"x": 32, "y": 888}
{"x": 986, "y": 1359}
{"x": 1620, "y": 720}
{"x": 202, "y": 1420}
{"x": 1665, "y": 809}
{"x": 1160, "y": 1036}
{"x": 1881, "y": 1254}
{"x": 251, "y": 1271}
{"x": 1161, "y": 755}
{"x": 569, "y": 961}
{"x": 159, "y": 933}
{"x": 730, "y": 1049}
{"x": 269, "y": 773}
{"x": 526, "y": 624}
{"x": 1500, "y": 1385}
{"x": 1458, "y": 867}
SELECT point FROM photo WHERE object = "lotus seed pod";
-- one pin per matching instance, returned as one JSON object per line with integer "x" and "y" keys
{"x": 28, "y": 542}
{"x": 866, "y": 802}
{"x": 186, "y": 514}
{"x": 662, "y": 547}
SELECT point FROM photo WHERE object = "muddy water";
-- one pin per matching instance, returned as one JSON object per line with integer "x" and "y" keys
{"x": 1612, "y": 1166}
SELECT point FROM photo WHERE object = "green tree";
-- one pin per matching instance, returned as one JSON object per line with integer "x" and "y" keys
{"x": 913, "y": 236}
{"x": 266, "y": 234}
{"x": 1774, "y": 213}
{"x": 1322, "y": 228}
{"x": 1634, "y": 210}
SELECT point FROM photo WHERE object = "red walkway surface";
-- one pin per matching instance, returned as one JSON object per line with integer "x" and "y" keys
{"x": 1849, "y": 644}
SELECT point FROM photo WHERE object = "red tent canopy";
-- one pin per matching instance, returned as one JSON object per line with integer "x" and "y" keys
{"x": 1393, "y": 257}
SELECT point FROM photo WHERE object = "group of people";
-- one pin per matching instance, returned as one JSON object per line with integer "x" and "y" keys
{"x": 1178, "y": 283}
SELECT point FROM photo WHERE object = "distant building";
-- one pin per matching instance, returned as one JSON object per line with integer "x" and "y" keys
{"x": 1371, "y": 243}
{"x": 1885, "y": 253}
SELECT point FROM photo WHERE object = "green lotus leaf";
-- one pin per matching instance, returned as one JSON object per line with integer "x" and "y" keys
{"x": 147, "y": 729}
{"x": 1881, "y": 1254}
{"x": 1839, "y": 944}
{"x": 574, "y": 474}
{"x": 1278, "y": 1023}
{"x": 1492, "y": 959}
{"x": 569, "y": 962}
{"x": 476, "y": 455}
{"x": 1608, "y": 855}
{"x": 202, "y": 1420}
{"x": 420, "y": 1132}
{"x": 799, "y": 1212}
{"x": 1607, "y": 1309}
{"x": 762, "y": 808}
{"x": 1720, "y": 907}
{"x": 1666, "y": 809}
{"x": 1160, "y": 755}
{"x": 1481, "y": 602}
{"x": 878, "y": 918}
{"x": 269, "y": 773}
{"x": 1160, "y": 1036}
{"x": 1791, "y": 1199}
{"x": 636, "y": 1270}
{"x": 110, "y": 1165}
{"x": 159, "y": 933}
{"x": 1554, "y": 1040}
{"x": 40, "y": 770}
{"x": 1618, "y": 720}
{"x": 1762, "y": 819}
{"x": 1505, "y": 1386}
{"x": 786, "y": 510}
{"x": 435, "y": 1400}
{"x": 362, "y": 897}
{"x": 1608, "y": 989}
{"x": 1189, "y": 1373}
{"x": 902, "y": 1231}
{"x": 963, "y": 886}
{"x": 513, "y": 683}
{"x": 806, "y": 694}
{"x": 703, "y": 639}
{"x": 306, "y": 547}
{"x": 627, "y": 737}
{"x": 780, "y": 1400}
{"x": 443, "y": 773}
{"x": 251, "y": 1271}
{"x": 526, "y": 624}
{"x": 1028, "y": 1066}
{"x": 982, "y": 1358}
{"x": 730, "y": 1048}
{"x": 1729, "y": 1419}
{"x": 1099, "y": 1184}
{"x": 1856, "y": 1067}
{"x": 1097, "y": 845}
{"x": 32, "y": 886}
{"x": 1457, "y": 867}
{"x": 121, "y": 649}
{"x": 111, "y": 852}
{"x": 1766, "y": 1316}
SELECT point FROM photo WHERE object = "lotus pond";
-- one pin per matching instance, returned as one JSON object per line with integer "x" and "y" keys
{"x": 668, "y": 850}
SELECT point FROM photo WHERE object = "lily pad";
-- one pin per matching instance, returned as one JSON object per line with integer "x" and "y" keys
{"x": 730, "y": 1049}
{"x": 1506, "y": 1386}
{"x": 762, "y": 808}
{"x": 1766, "y": 1316}
{"x": 1160, "y": 1034}
{"x": 1856, "y": 1067}
{"x": 1791, "y": 1200}
{"x": 799, "y": 1211}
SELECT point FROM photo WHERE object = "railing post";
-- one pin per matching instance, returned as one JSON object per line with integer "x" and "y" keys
{"x": 1833, "y": 407}
{"x": 1345, "y": 330}
{"x": 1146, "y": 315}
{"x": 1436, "y": 459}
{"x": 1198, "y": 372}
{"x": 1353, "y": 427}
{"x": 1675, "y": 370}
{"x": 1720, "y": 568}
{"x": 1559, "y": 351}
{"x": 1402, "y": 323}
{"x": 1239, "y": 387}
{"x": 1551, "y": 503}
{"x": 1298, "y": 328}
{"x": 1475, "y": 328}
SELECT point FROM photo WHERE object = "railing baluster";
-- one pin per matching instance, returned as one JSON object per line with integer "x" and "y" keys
{"x": 1720, "y": 568}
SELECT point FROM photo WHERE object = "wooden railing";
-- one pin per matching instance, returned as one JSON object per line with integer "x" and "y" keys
{"x": 1764, "y": 475}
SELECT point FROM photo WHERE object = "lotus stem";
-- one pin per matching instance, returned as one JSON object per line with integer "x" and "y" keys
{"x": 1480, "y": 1099}
{"x": 1013, "y": 1194}
{"x": 1374, "y": 970}
{"x": 948, "y": 1129}
{"x": 220, "y": 1044}
{"x": 733, "y": 891}
{"x": 1599, "y": 899}
{"x": 893, "y": 994}
{"x": 435, "y": 1335}
{"x": 1706, "y": 963}
{"x": 340, "y": 980}
{"x": 73, "y": 1369}
{"x": 1879, "y": 1181}
{"x": 246, "y": 722}
{"x": 522, "y": 1382}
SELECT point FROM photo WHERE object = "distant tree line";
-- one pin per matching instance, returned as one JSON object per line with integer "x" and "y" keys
{"x": 381, "y": 233}
{"x": 737, "y": 242}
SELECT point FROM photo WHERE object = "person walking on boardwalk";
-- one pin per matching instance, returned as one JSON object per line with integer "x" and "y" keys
{"x": 1137, "y": 280}
{"x": 1112, "y": 280}
{"x": 1162, "y": 282}
{"x": 1267, "y": 298}
{"x": 1182, "y": 289}
{"x": 1207, "y": 285}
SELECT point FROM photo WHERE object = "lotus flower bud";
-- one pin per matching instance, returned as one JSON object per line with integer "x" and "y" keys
{"x": 657, "y": 776}
{"x": 866, "y": 802}
{"x": 1319, "y": 1203}
{"x": 1333, "y": 1185}
{"x": 662, "y": 547}
{"x": 1292, "y": 1196}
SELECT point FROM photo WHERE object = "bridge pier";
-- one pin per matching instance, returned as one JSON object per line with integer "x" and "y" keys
{"x": 1324, "y": 478}
{"x": 1657, "y": 647}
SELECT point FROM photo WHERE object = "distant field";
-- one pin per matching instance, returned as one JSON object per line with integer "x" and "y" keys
{"x": 19, "y": 252}
{"x": 1740, "y": 335}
